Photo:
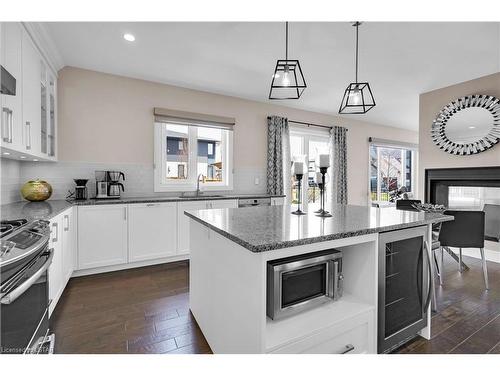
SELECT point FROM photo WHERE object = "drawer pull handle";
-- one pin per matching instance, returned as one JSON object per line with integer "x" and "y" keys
{"x": 347, "y": 349}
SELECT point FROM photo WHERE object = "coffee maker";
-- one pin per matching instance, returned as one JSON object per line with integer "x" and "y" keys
{"x": 108, "y": 184}
{"x": 81, "y": 192}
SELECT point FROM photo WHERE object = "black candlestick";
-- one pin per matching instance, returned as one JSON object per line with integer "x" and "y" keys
{"x": 323, "y": 212}
{"x": 320, "y": 185}
{"x": 299, "y": 211}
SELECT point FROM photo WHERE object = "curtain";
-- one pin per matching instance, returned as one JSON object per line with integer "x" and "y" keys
{"x": 278, "y": 156}
{"x": 338, "y": 163}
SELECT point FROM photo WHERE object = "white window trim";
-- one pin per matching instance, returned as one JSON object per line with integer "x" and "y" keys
{"x": 190, "y": 183}
{"x": 414, "y": 166}
{"x": 307, "y": 134}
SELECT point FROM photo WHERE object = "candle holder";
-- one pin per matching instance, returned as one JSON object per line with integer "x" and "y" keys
{"x": 322, "y": 212}
{"x": 320, "y": 185}
{"x": 299, "y": 211}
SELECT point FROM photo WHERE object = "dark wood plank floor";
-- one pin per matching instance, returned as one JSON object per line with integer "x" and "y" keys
{"x": 146, "y": 310}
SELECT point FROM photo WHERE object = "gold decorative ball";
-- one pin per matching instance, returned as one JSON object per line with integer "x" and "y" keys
{"x": 36, "y": 191}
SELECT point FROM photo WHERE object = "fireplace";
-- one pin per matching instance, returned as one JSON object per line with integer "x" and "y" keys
{"x": 467, "y": 188}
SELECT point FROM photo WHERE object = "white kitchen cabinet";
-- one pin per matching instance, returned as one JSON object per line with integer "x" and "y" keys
{"x": 29, "y": 118}
{"x": 152, "y": 231}
{"x": 11, "y": 111}
{"x": 31, "y": 98}
{"x": 277, "y": 201}
{"x": 56, "y": 282}
{"x": 183, "y": 220}
{"x": 183, "y": 223}
{"x": 102, "y": 235}
{"x": 69, "y": 244}
{"x": 223, "y": 203}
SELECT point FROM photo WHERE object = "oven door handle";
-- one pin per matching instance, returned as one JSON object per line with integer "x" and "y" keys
{"x": 16, "y": 293}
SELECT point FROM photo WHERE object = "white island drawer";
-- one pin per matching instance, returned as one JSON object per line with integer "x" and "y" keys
{"x": 350, "y": 337}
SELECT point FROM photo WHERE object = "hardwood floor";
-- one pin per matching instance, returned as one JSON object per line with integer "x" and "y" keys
{"x": 468, "y": 316}
{"x": 143, "y": 310}
{"x": 146, "y": 310}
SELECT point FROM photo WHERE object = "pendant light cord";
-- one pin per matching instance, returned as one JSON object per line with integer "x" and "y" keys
{"x": 286, "y": 42}
{"x": 357, "y": 23}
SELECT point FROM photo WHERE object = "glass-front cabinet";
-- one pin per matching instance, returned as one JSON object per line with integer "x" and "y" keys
{"x": 47, "y": 112}
{"x": 52, "y": 116}
{"x": 43, "y": 107}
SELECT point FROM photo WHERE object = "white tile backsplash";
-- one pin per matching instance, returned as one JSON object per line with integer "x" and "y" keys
{"x": 11, "y": 181}
{"x": 139, "y": 178}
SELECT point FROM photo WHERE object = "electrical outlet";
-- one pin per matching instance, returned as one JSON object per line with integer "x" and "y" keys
{"x": 257, "y": 181}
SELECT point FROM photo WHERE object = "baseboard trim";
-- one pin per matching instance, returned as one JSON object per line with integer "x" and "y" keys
{"x": 119, "y": 267}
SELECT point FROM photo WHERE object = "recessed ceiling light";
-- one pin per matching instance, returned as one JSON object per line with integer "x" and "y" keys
{"x": 22, "y": 157}
{"x": 129, "y": 37}
{"x": 472, "y": 127}
{"x": 35, "y": 159}
{"x": 6, "y": 153}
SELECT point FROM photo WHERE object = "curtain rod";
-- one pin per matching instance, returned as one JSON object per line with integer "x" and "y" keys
{"x": 309, "y": 124}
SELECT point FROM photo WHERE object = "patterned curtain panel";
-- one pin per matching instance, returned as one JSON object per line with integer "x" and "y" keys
{"x": 338, "y": 162}
{"x": 278, "y": 155}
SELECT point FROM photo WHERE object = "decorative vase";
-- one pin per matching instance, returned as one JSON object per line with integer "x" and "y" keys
{"x": 36, "y": 191}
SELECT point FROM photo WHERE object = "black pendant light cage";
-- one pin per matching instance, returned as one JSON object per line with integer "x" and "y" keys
{"x": 288, "y": 80}
{"x": 358, "y": 97}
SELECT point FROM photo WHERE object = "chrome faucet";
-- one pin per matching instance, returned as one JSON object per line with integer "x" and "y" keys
{"x": 198, "y": 183}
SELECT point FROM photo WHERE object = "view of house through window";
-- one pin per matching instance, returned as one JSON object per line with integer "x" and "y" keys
{"x": 177, "y": 151}
{"x": 189, "y": 152}
{"x": 305, "y": 146}
{"x": 390, "y": 169}
{"x": 210, "y": 162}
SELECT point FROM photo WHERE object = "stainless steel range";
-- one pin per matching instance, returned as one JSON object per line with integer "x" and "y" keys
{"x": 24, "y": 260}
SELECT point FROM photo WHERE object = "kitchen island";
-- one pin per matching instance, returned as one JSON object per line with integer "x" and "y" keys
{"x": 230, "y": 250}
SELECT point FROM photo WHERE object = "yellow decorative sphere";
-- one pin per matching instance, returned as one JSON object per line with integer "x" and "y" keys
{"x": 36, "y": 191}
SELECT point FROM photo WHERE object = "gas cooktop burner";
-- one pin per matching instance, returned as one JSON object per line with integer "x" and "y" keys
{"x": 7, "y": 226}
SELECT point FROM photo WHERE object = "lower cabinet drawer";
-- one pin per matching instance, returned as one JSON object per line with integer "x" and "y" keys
{"x": 352, "y": 337}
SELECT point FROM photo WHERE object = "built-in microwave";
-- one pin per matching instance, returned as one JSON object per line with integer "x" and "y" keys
{"x": 8, "y": 82}
{"x": 298, "y": 283}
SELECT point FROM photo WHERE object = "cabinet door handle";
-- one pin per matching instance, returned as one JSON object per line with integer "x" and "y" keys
{"x": 66, "y": 217}
{"x": 348, "y": 348}
{"x": 56, "y": 227}
{"x": 7, "y": 125}
{"x": 124, "y": 213}
{"x": 28, "y": 135}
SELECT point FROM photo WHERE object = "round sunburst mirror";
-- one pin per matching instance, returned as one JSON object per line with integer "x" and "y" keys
{"x": 468, "y": 125}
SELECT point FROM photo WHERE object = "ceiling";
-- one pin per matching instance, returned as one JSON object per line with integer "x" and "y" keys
{"x": 400, "y": 60}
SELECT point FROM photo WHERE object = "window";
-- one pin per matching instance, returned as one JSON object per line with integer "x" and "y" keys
{"x": 392, "y": 166}
{"x": 184, "y": 152}
{"x": 305, "y": 145}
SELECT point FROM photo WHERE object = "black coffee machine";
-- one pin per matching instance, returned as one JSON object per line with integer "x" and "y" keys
{"x": 81, "y": 192}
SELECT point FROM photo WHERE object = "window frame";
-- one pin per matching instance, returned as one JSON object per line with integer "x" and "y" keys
{"x": 395, "y": 145}
{"x": 162, "y": 184}
{"x": 307, "y": 134}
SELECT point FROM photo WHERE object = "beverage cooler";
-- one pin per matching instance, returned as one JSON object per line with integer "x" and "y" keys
{"x": 404, "y": 286}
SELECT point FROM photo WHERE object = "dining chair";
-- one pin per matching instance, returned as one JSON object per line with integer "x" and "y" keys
{"x": 466, "y": 231}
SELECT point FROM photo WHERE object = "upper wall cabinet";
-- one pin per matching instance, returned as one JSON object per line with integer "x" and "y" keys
{"x": 29, "y": 123}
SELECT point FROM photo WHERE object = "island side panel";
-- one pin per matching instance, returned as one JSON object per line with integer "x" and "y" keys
{"x": 227, "y": 293}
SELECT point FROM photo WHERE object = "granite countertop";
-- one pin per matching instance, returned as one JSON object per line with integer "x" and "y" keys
{"x": 33, "y": 210}
{"x": 48, "y": 209}
{"x": 269, "y": 228}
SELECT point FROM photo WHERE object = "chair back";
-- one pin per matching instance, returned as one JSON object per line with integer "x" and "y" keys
{"x": 492, "y": 226}
{"x": 407, "y": 204}
{"x": 467, "y": 230}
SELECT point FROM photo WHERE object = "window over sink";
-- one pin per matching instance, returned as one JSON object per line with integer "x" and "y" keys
{"x": 188, "y": 150}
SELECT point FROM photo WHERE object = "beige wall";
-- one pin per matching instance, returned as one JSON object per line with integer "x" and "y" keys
{"x": 108, "y": 118}
{"x": 430, "y": 155}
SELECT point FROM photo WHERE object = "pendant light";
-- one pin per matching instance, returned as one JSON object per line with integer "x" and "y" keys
{"x": 358, "y": 97}
{"x": 288, "y": 81}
